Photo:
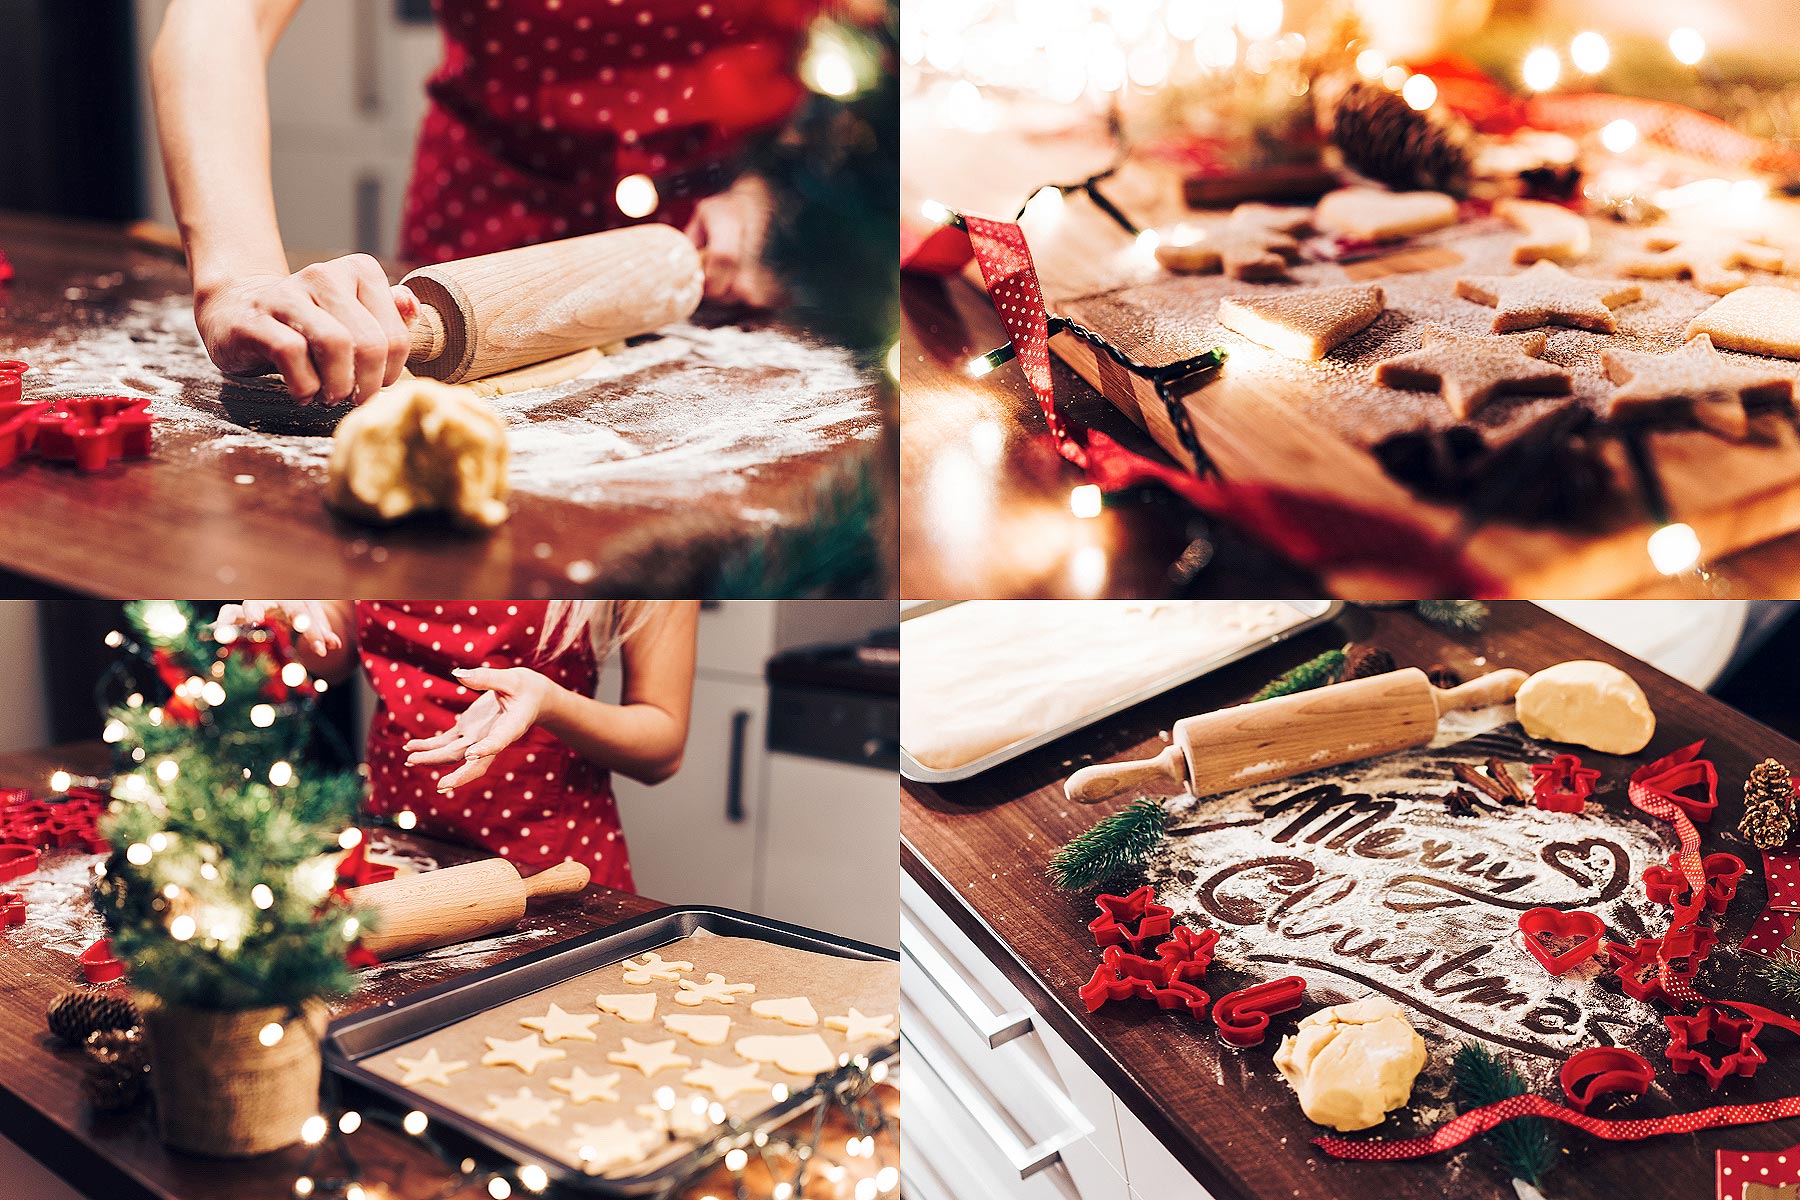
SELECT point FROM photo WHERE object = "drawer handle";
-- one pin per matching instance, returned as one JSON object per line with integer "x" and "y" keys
{"x": 734, "y": 779}
{"x": 1027, "y": 1160}
{"x": 996, "y": 1029}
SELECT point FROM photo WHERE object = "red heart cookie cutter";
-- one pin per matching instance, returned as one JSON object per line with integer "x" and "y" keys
{"x": 1603, "y": 1071}
{"x": 1243, "y": 1016}
{"x": 1540, "y": 924}
{"x": 1710, "y": 1024}
{"x": 1562, "y": 784}
{"x": 16, "y": 860}
{"x": 12, "y": 909}
{"x": 1117, "y": 913}
{"x": 1667, "y": 886}
{"x": 98, "y": 964}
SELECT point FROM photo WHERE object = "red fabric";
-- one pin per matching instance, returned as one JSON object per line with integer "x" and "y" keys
{"x": 540, "y": 803}
{"x": 540, "y": 107}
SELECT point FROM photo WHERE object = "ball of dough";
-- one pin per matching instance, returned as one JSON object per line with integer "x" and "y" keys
{"x": 420, "y": 446}
{"x": 1351, "y": 1063}
{"x": 1592, "y": 704}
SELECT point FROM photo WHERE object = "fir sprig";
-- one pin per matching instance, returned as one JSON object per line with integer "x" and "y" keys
{"x": 1458, "y": 616}
{"x": 1783, "y": 978}
{"x": 1313, "y": 673}
{"x": 1111, "y": 849}
{"x": 1526, "y": 1147}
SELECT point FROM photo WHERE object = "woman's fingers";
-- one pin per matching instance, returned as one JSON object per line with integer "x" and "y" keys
{"x": 328, "y": 344}
{"x": 375, "y": 294}
{"x": 720, "y": 237}
{"x": 455, "y": 750}
{"x": 312, "y": 620}
{"x": 435, "y": 740}
{"x": 281, "y": 345}
{"x": 510, "y": 727}
{"x": 482, "y": 679}
{"x": 339, "y": 289}
{"x": 471, "y": 769}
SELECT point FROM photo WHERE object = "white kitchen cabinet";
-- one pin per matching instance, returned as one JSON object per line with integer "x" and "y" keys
{"x": 828, "y": 848}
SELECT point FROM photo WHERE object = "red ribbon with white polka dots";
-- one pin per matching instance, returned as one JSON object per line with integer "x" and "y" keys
{"x": 1775, "y": 924}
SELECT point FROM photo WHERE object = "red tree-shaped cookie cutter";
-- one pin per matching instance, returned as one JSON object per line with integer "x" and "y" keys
{"x": 12, "y": 909}
{"x": 1639, "y": 967}
{"x": 98, "y": 964}
{"x": 1187, "y": 954}
{"x": 1711, "y": 1024}
{"x": 1563, "y": 784}
{"x": 1667, "y": 886}
{"x": 1117, "y": 913}
{"x": 1581, "y": 929}
{"x": 1243, "y": 1016}
{"x": 1600, "y": 1071}
{"x": 1685, "y": 770}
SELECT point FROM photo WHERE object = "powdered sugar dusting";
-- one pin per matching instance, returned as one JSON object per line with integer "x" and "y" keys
{"x": 58, "y": 909}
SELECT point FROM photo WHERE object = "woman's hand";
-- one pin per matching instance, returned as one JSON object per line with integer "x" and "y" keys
{"x": 511, "y": 700}
{"x": 310, "y": 620}
{"x": 335, "y": 330}
{"x": 731, "y": 229}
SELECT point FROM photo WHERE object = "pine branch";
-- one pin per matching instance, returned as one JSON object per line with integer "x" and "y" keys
{"x": 1313, "y": 673}
{"x": 1113, "y": 847}
{"x": 1459, "y": 616}
{"x": 1526, "y": 1147}
{"x": 1783, "y": 978}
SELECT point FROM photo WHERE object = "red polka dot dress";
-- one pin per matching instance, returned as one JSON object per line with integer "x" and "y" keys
{"x": 541, "y": 107}
{"x": 540, "y": 803}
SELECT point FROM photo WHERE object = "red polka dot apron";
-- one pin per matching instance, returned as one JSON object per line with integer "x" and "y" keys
{"x": 540, "y": 107}
{"x": 540, "y": 803}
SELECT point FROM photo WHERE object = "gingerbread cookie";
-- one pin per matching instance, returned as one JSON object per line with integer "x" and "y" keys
{"x": 1254, "y": 244}
{"x": 1376, "y": 215}
{"x": 715, "y": 989}
{"x": 1756, "y": 320}
{"x": 1711, "y": 258}
{"x": 1714, "y": 386}
{"x": 1551, "y": 231}
{"x": 1306, "y": 324}
{"x": 1545, "y": 294}
{"x": 1468, "y": 370}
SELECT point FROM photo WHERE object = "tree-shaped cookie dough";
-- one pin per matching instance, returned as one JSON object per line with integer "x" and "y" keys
{"x": 1756, "y": 320}
{"x": 1254, "y": 244}
{"x": 1468, "y": 370}
{"x": 1545, "y": 294}
{"x": 1551, "y": 231}
{"x": 1714, "y": 386}
{"x": 1306, "y": 324}
{"x": 1712, "y": 258}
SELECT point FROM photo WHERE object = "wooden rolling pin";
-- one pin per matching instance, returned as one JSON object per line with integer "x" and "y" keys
{"x": 1273, "y": 739}
{"x": 480, "y": 316}
{"x": 434, "y": 908}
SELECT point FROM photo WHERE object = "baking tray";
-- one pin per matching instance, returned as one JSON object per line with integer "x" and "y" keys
{"x": 1308, "y": 614}
{"x": 349, "y": 1040}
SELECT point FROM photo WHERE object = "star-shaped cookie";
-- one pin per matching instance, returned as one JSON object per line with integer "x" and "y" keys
{"x": 649, "y": 1057}
{"x": 683, "y": 1120}
{"x": 1371, "y": 213}
{"x": 726, "y": 1082}
{"x": 611, "y": 1145}
{"x": 1715, "y": 386}
{"x": 1551, "y": 231}
{"x": 701, "y": 1030}
{"x": 428, "y": 1068}
{"x": 636, "y": 1007}
{"x": 1545, "y": 294}
{"x": 1254, "y": 244}
{"x": 653, "y": 969}
{"x": 715, "y": 988}
{"x": 556, "y": 1025}
{"x": 797, "y": 1054}
{"x": 1468, "y": 370}
{"x": 1306, "y": 324}
{"x": 1712, "y": 258}
{"x": 1757, "y": 320}
{"x": 584, "y": 1088}
{"x": 796, "y": 1010}
{"x": 855, "y": 1027}
{"x": 525, "y": 1053}
{"x": 523, "y": 1108}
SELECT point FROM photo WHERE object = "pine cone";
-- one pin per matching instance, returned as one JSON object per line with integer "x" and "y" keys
{"x": 1381, "y": 136}
{"x": 1768, "y": 805}
{"x": 1365, "y": 661}
{"x": 74, "y": 1015}
{"x": 117, "y": 1069}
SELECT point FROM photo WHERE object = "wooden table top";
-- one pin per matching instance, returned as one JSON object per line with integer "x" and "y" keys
{"x": 120, "y": 1158}
{"x": 979, "y": 848}
{"x": 247, "y": 515}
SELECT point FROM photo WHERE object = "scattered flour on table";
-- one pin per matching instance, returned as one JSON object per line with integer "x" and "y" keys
{"x": 59, "y": 913}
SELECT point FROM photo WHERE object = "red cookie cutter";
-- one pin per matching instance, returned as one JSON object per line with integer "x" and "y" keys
{"x": 98, "y": 964}
{"x": 1541, "y": 924}
{"x": 1243, "y": 1016}
{"x": 16, "y": 860}
{"x": 1639, "y": 967}
{"x": 1182, "y": 995}
{"x": 1693, "y": 942}
{"x": 12, "y": 379}
{"x": 1667, "y": 886}
{"x": 12, "y": 909}
{"x": 92, "y": 431}
{"x": 1694, "y": 772}
{"x": 1604, "y": 1071}
{"x": 1711, "y": 1024}
{"x": 1108, "y": 984}
{"x": 1117, "y": 913}
{"x": 1187, "y": 954}
{"x": 1563, "y": 784}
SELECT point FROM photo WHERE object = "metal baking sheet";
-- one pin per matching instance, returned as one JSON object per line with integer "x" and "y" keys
{"x": 351, "y": 1040}
{"x": 1307, "y": 615}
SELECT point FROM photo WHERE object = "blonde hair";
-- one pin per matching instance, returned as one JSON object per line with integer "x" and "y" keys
{"x": 606, "y": 623}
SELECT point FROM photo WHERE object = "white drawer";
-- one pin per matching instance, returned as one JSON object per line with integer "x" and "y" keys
{"x": 1152, "y": 1170}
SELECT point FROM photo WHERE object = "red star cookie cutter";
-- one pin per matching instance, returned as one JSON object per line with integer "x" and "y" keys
{"x": 1117, "y": 913}
{"x": 1243, "y": 1016}
{"x": 1577, "y": 933}
{"x": 12, "y": 909}
{"x": 92, "y": 431}
{"x": 1600, "y": 1071}
{"x": 1639, "y": 966}
{"x": 1562, "y": 784}
{"x": 1738, "y": 1034}
{"x": 1667, "y": 886}
{"x": 1187, "y": 954}
{"x": 98, "y": 964}
{"x": 16, "y": 860}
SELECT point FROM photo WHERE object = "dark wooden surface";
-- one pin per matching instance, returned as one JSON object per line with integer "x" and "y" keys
{"x": 120, "y": 1158}
{"x": 161, "y": 526}
{"x": 979, "y": 848}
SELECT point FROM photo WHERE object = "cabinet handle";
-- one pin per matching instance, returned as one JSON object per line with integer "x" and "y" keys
{"x": 996, "y": 1029}
{"x": 367, "y": 62}
{"x": 734, "y": 780}
{"x": 1025, "y": 1159}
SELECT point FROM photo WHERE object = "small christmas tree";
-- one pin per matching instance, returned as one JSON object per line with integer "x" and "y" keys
{"x": 1768, "y": 805}
{"x": 220, "y": 892}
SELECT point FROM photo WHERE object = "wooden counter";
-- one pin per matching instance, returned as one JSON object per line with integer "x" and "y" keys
{"x": 979, "y": 848}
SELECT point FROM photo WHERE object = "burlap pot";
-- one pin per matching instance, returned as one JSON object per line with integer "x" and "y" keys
{"x": 219, "y": 1090}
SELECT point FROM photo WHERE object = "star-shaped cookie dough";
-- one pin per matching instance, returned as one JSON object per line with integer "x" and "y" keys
{"x": 653, "y": 969}
{"x": 557, "y": 1025}
{"x": 703, "y": 1031}
{"x": 797, "y": 1010}
{"x": 636, "y": 1007}
{"x": 715, "y": 988}
{"x": 428, "y": 1068}
{"x": 1551, "y": 231}
{"x": 855, "y": 1027}
{"x": 726, "y": 1082}
{"x": 1756, "y": 320}
{"x": 1306, "y": 324}
{"x": 1545, "y": 294}
{"x": 1715, "y": 386}
{"x": 797, "y": 1054}
{"x": 1254, "y": 244}
{"x": 525, "y": 1053}
{"x": 523, "y": 1109}
{"x": 611, "y": 1145}
{"x": 583, "y": 1088}
{"x": 684, "y": 1119}
{"x": 1468, "y": 369}
{"x": 649, "y": 1057}
{"x": 1712, "y": 258}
